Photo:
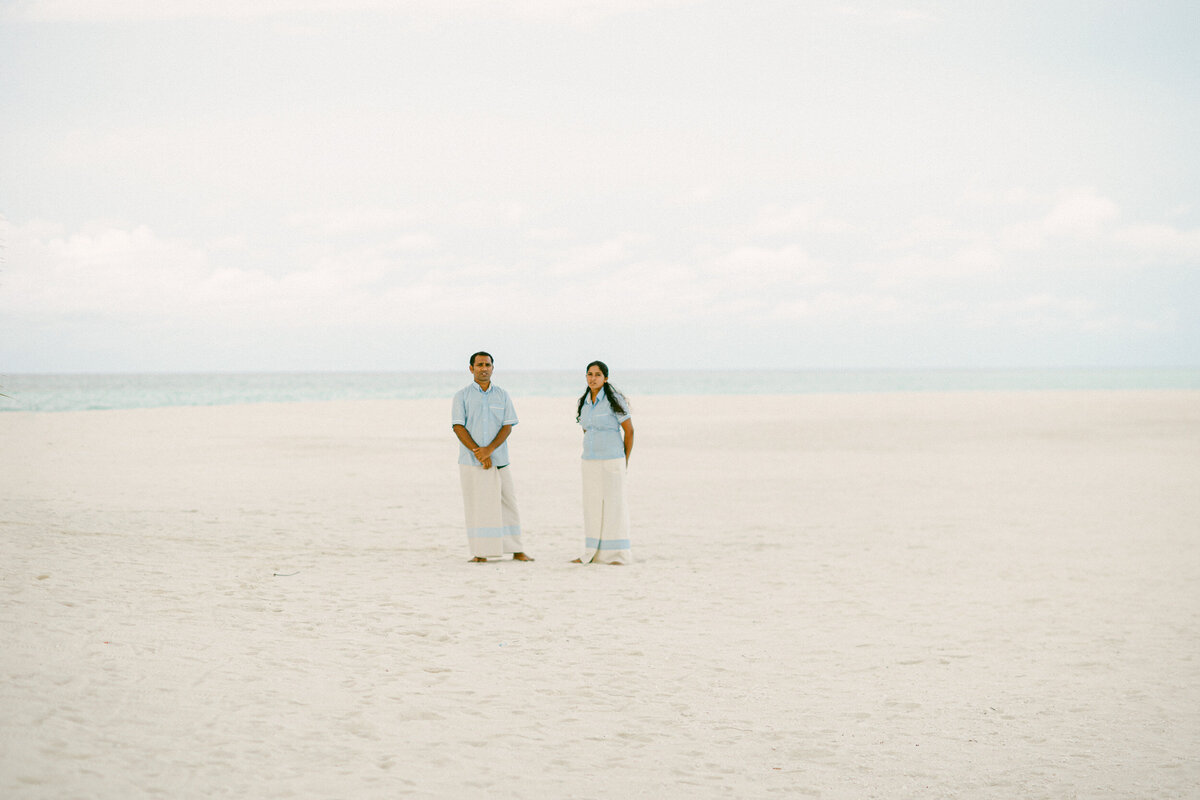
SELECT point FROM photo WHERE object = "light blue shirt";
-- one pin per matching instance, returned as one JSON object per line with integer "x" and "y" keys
{"x": 483, "y": 414}
{"x": 602, "y": 428}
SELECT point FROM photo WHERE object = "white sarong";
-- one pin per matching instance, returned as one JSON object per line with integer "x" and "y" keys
{"x": 605, "y": 512}
{"x": 490, "y": 501}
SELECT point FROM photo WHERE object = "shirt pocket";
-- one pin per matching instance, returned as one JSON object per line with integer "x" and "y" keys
{"x": 497, "y": 414}
{"x": 603, "y": 418}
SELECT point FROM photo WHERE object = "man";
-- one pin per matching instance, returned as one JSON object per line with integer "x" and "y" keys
{"x": 482, "y": 412}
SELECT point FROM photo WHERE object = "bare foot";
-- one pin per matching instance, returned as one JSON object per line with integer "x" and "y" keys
{"x": 478, "y": 560}
{"x": 521, "y": 557}
{"x": 577, "y": 561}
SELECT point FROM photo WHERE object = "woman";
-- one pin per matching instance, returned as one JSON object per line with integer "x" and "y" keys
{"x": 604, "y": 414}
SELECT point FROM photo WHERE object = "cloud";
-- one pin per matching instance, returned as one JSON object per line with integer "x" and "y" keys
{"x": 886, "y": 14}
{"x": 340, "y": 222}
{"x": 1049, "y": 307}
{"x": 965, "y": 263}
{"x": 1161, "y": 243}
{"x": 762, "y": 269}
{"x": 584, "y": 260}
{"x": 930, "y": 231}
{"x": 1081, "y": 212}
{"x": 741, "y": 285}
{"x": 790, "y": 220}
{"x": 570, "y": 11}
{"x": 696, "y": 196}
{"x": 127, "y": 274}
{"x": 1053, "y": 313}
{"x": 99, "y": 270}
{"x": 1078, "y": 214}
{"x": 385, "y": 269}
{"x": 134, "y": 274}
{"x": 842, "y": 307}
{"x": 1077, "y": 231}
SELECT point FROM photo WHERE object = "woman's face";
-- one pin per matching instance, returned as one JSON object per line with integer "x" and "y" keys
{"x": 595, "y": 378}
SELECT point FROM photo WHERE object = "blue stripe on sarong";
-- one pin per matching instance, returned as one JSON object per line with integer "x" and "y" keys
{"x": 607, "y": 544}
{"x": 493, "y": 533}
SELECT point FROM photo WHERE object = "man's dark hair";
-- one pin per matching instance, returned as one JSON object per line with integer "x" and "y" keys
{"x": 471, "y": 363}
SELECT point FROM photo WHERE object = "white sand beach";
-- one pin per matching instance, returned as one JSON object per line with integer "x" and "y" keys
{"x": 975, "y": 595}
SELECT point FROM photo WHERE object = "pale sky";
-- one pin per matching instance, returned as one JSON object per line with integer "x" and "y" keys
{"x": 252, "y": 185}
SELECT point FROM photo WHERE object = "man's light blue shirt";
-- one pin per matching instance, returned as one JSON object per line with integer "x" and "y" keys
{"x": 483, "y": 414}
{"x": 602, "y": 428}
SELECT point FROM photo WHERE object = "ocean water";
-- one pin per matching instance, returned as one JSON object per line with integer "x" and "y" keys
{"x": 98, "y": 392}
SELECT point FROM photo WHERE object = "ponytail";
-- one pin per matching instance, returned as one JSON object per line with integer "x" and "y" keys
{"x": 613, "y": 401}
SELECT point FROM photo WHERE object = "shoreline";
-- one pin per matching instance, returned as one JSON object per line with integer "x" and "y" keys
{"x": 881, "y": 394}
{"x": 98, "y": 392}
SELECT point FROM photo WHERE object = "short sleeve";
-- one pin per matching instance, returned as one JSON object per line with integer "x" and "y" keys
{"x": 510, "y": 411}
{"x": 458, "y": 410}
{"x": 625, "y": 405}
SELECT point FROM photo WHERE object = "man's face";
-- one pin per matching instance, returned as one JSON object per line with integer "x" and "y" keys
{"x": 482, "y": 369}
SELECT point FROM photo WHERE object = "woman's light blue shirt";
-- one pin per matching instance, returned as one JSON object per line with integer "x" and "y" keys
{"x": 602, "y": 428}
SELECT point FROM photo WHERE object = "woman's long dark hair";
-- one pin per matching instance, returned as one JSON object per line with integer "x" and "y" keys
{"x": 609, "y": 390}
